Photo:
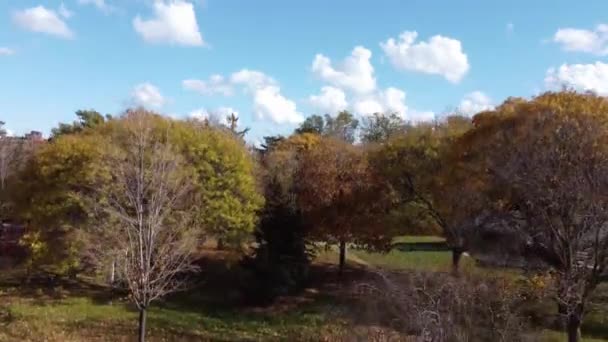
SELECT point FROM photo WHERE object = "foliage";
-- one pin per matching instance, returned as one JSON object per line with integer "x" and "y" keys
{"x": 280, "y": 263}
{"x": 226, "y": 191}
{"x": 341, "y": 197}
{"x": 548, "y": 164}
{"x": 46, "y": 200}
{"x": 86, "y": 119}
{"x": 433, "y": 195}
{"x": 381, "y": 127}
{"x": 343, "y": 126}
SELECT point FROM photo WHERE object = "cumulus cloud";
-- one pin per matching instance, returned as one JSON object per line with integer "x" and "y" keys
{"x": 439, "y": 55}
{"x": 474, "y": 103}
{"x": 268, "y": 103}
{"x": 147, "y": 95}
{"x": 590, "y": 41}
{"x": 390, "y": 100}
{"x": 586, "y": 77}
{"x": 219, "y": 115}
{"x": 174, "y": 22}
{"x": 4, "y": 51}
{"x": 351, "y": 85}
{"x": 252, "y": 79}
{"x": 42, "y": 20}
{"x": 355, "y": 73}
{"x": 331, "y": 100}
{"x": 216, "y": 85}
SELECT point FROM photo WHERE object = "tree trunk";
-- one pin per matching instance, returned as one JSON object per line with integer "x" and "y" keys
{"x": 113, "y": 273}
{"x": 456, "y": 256}
{"x": 142, "y": 325}
{"x": 342, "y": 256}
{"x": 574, "y": 328}
{"x": 561, "y": 321}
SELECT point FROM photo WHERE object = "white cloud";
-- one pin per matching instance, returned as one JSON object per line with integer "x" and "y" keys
{"x": 147, "y": 95}
{"x": 368, "y": 106}
{"x": 595, "y": 42}
{"x": 65, "y": 12}
{"x": 440, "y": 55}
{"x": 101, "y": 5}
{"x": 268, "y": 103}
{"x": 587, "y": 77}
{"x": 252, "y": 79}
{"x": 355, "y": 73}
{"x": 331, "y": 100}
{"x": 217, "y": 115}
{"x": 474, "y": 103}
{"x": 420, "y": 116}
{"x": 4, "y": 51}
{"x": 40, "y": 19}
{"x": 174, "y": 22}
{"x": 390, "y": 100}
{"x": 216, "y": 84}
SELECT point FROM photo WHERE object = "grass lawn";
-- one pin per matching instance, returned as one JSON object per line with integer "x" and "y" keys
{"x": 76, "y": 318}
{"x": 87, "y": 313}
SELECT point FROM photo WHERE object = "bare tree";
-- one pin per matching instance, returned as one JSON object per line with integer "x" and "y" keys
{"x": 144, "y": 196}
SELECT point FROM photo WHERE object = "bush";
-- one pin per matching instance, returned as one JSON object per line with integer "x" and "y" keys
{"x": 439, "y": 307}
{"x": 280, "y": 264}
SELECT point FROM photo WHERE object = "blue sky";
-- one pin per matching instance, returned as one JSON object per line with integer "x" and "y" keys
{"x": 276, "y": 62}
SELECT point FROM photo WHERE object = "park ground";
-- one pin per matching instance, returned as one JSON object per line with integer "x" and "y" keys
{"x": 81, "y": 310}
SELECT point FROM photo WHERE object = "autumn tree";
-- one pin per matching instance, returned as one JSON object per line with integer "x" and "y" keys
{"x": 46, "y": 193}
{"x": 280, "y": 262}
{"x": 340, "y": 196}
{"x": 433, "y": 195}
{"x": 548, "y": 164}
{"x": 13, "y": 152}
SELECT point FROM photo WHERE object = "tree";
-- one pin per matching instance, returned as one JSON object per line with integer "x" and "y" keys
{"x": 233, "y": 123}
{"x": 46, "y": 195}
{"x": 312, "y": 124}
{"x": 281, "y": 260}
{"x": 343, "y": 126}
{"x": 86, "y": 119}
{"x": 381, "y": 127}
{"x": 14, "y": 153}
{"x": 433, "y": 193}
{"x": 270, "y": 142}
{"x": 44, "y": 199}
{"x": 143, "y": 191}
{"x": 548, "y": 163}
{"x": 228, "y": 193}
{"x": 340, "y": 196}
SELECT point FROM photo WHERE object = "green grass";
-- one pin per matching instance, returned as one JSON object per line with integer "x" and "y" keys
{"x": 85, "y": 313}
{"x": 397, "y": 260}
{"x": 81, "y": 318}
{"x": 413, "y": 239}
